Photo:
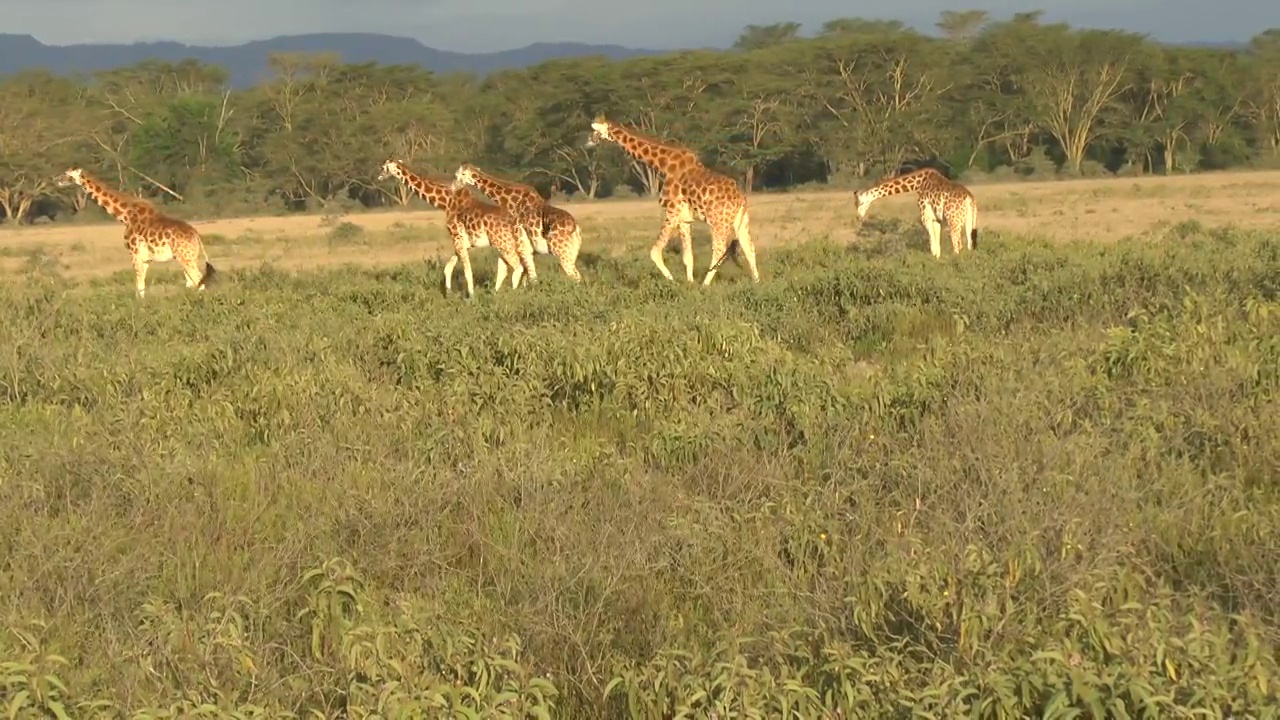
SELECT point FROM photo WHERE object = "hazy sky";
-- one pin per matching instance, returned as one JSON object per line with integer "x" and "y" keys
{"x": 486, "y": 25}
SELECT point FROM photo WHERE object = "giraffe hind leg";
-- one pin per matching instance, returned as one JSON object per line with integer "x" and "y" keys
{"x": 686, "y": 249}
{"x": 957, "y": 236}
{"x": 747, "y": 246}
{"x": 720, "y": 240}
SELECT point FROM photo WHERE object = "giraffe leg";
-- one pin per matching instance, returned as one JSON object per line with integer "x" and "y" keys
{"x": 568, "y": 257}
{"x": 140, "y": 276}
{"x": 569, "y": 260}
{"x": 956, "y": 229}
{"x": 466, "y": 273}
{"x": 502, "y": 275}
{"x": 448, "y": 273}
{"x": 934, "y": 228}
{"x": 719, "y": 248}
{"x": 747, "y": 246}
{"x": 517, "y": 273}
{"x": 191, "y": 269}
{"x": 664, "y": 238}
{"x": 686, "y": 249}
{"x": 526, "y": 261}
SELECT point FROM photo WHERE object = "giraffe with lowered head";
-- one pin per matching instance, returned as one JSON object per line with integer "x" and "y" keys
{"x": 471, "y": 224}
{"x": 690, "y": 190}
{"x": 939, "y": 199}
{"x": 551, "y": 229}
{"x": 149, "y": 235}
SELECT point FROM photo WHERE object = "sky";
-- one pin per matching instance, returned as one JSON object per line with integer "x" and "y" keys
{"x": 489, "y": 25}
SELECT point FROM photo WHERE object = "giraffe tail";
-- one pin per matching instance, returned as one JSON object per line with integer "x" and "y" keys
{"x": 208, "y": 273}
{"x": 971, "y": 225}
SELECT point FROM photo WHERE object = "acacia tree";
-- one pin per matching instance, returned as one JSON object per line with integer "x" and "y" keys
{"x": 40, "y": 130}
{"x": 1073, "y": 79}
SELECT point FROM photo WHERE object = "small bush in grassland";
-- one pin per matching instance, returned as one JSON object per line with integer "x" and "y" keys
{"x": 1032, "y": 480}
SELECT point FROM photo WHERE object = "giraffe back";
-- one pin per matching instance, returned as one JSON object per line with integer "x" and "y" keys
{"x": 711, "y": 196}
{"x": 480, "y": 224}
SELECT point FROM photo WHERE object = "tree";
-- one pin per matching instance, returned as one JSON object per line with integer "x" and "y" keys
{"x": 754, "y": 37}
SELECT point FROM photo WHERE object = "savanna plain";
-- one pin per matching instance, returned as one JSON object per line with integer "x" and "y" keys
{"x": 1035, "y": 480}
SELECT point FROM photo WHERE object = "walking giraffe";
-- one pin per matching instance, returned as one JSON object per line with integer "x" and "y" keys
{"x": 691, "y": 190}
{"x": 551, "y": 229}
{"x": 471, "y": 224}
{"x": 939, "y": 199}
{"x": 149, "y": 235}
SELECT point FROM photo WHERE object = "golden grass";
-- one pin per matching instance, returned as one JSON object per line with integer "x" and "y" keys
{"x": 1096, "y": 209}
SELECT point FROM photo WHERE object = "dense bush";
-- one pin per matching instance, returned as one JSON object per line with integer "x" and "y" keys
{"x": 1036, "y": 480}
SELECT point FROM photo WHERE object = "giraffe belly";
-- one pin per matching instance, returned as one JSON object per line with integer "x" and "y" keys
{"x": 153, "y": 253}
{"x": 479, "y": 239}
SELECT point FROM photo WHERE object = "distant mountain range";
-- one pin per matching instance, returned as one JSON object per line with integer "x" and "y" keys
{"x": 247, "y": 63}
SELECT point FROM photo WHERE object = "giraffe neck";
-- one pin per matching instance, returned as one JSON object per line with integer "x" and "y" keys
{"x": 439, "y": 195}
{"x": 670, "y": 160}
{"x": 490, "y": 185}
{"x": 116, "y": 204}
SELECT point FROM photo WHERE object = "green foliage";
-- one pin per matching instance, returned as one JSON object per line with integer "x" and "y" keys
{"x": 1032, "y": 481}
{"x": 859, "y": 100}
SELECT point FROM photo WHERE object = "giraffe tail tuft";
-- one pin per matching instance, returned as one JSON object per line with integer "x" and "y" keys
{"x": 973, "y": 239}
{"x": 207, "y": 275}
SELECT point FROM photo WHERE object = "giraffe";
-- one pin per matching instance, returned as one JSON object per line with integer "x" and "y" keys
{"x": 691, "y": 190}
{"x": 149, "y": 235}
{"x": 554, "y": 230}
{"x": 939, "y": 199}
{"x": 471, "y": 224}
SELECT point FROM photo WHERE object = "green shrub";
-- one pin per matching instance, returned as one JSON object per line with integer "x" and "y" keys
{"x": 1036, "y": 480}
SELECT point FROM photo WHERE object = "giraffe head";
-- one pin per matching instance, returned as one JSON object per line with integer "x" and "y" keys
{"x": 73, "y": 176}
{"x": 391, "y": 168}
{"x": 601, "y": 131}
{"x": 466, "y": 175}
{"x": 864, "y": 202}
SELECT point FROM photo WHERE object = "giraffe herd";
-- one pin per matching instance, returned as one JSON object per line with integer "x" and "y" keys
{"x": 519, "y": 222}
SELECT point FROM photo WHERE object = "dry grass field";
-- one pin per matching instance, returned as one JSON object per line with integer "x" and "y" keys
{"x": 1104, "y": 209}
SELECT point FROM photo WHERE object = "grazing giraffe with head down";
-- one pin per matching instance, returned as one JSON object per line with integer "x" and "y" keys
{"x": 471, "y": 224}
{"x": 691, "y": 190}
{"x": 149, "y": 235}
{"x": 939, "y": 199}
{"x": 551, "y": 229}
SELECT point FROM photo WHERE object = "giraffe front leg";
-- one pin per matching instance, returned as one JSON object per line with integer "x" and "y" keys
{"x": 686, "y": 249}
{"x": 934, "y": 229}
{"x": 466, "y": 273}
{"x": 655, "y": 253}
{"x": 140, "y": 276}
{"x": 448, "y": 273}
{"x": 501, "y": 274}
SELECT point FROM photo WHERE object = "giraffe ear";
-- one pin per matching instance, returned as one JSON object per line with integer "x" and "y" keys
{"x": 600, "y": 118}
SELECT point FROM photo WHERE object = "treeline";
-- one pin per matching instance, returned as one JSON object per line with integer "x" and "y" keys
{"x": 860, "y": 98}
